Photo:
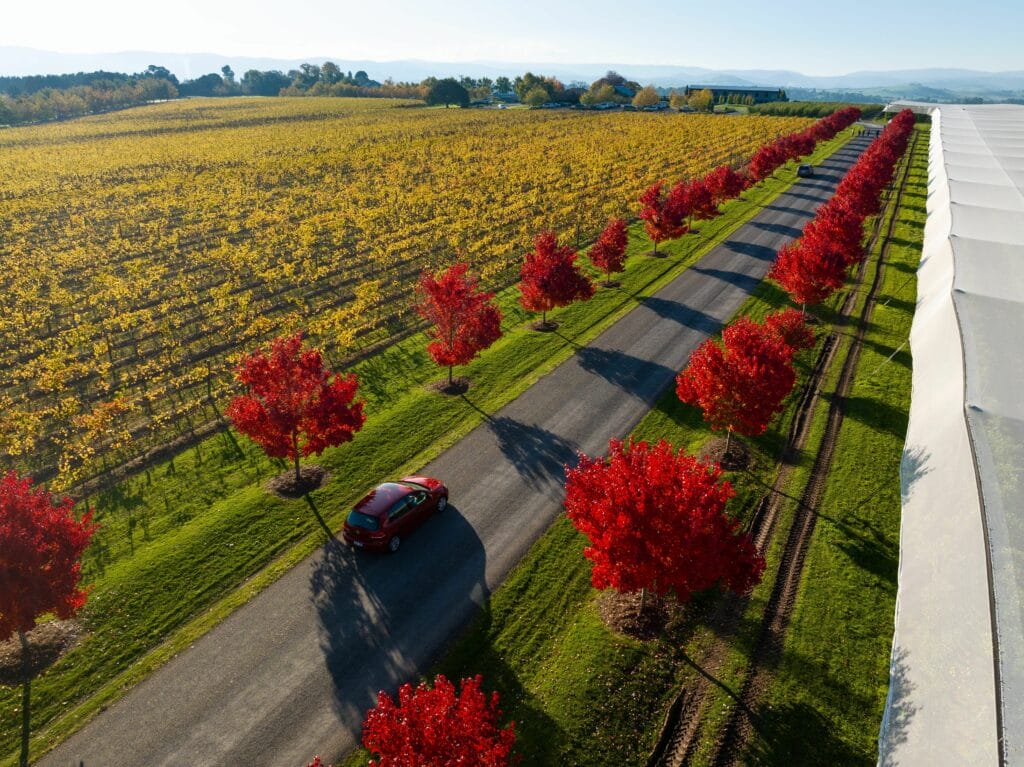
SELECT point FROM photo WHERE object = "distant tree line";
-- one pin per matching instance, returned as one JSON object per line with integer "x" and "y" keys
{"x": 39, "y": 98}
{"x": 48, "y": 97}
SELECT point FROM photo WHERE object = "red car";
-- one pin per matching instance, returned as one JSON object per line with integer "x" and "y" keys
{"x": 391, "y": 511}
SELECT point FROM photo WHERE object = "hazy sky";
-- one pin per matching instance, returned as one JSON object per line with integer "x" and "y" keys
{"x": 820, "y": 37}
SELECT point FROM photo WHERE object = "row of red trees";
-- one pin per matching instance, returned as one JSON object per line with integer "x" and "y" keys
{"x": 814, "y": 266}
{"x": 669, "y": 213}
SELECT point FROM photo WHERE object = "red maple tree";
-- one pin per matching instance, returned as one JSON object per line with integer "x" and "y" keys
{"x": 656, "y": 521}
{"x": 791, "y": 326}
{"x": 294, "y": 406}
{"x": 550, "y": 277}
{"x": 810, "y": 270}
{"x": 608, "y": 254}
{"x": 766, "y": 160}
{"x": 663, "y": 214}
{"x": 836, "y": 224}
{"x": 741, "y": 383}
{"x": 465, "y": 319}
{"x": 437, "y": 727}
{"x": 695, "y": 200}
{"x": 724, "y": 183}
{"x": 41, "y": 543}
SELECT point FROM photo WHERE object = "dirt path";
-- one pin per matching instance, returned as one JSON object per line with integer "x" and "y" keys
{"x": 683, "y": 722}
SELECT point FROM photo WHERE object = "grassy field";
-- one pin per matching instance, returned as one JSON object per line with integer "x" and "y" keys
{"x": 145, "y": 250}
{"x": 192, "y": 538}
{"x": 582, "y": 695}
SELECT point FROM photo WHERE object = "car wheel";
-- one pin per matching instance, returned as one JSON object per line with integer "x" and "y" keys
{"x": 442, "y": 503}
{"x": 394, "y": 544}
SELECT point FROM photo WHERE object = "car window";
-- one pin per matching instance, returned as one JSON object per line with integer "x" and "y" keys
{"x": 401, "y": 506}
{"x": 365, "y": 521}
{"x": 418, "y": 498}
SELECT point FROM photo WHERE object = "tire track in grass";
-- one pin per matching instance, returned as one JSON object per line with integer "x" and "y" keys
{"x": 682, "y": 726}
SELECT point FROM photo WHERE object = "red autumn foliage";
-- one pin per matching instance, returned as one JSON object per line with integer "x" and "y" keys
{"x": 809, "y": 270}
{"x": 695, "y": 199}
{"x": 656, "y": 521}
{"x": 465, "y": 319}
{"x": 814, "y": 266}
{"x": 41, "y": 543}
{"x": 791, "y": 146}
{"x": 609, "y": 252}
{"x": 550, "y": 276}
{"x": 791, "y": 326}
{"x": 835, "y": 223}
{"x": 766, "y": 160}
{"x": 724, "y": 183}
{"x": 435, "y": 727}
{"x": 663, "y": 214}
{"x": 741, "y": 383}
{"x": 294, "y": 406}
{"x": 318, "y": 762}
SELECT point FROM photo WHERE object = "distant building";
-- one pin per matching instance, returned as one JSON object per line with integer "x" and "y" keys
{"x": 625, "y": 90}
{"x": 735, "y": 94}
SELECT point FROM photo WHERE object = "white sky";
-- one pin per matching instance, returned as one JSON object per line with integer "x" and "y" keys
{"x": 811, "y": 36}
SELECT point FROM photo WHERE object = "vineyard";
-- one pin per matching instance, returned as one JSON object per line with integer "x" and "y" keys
{"x": 146, "y": 250}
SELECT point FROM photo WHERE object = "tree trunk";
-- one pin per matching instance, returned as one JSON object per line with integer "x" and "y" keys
{"x": 26, "y": 694}
{"x": 643, "y": 598}
{"x": 295, "y": 450}
{"x": 728, "y": 442}
{"x": 543, "y": 318}
{"x": 450, "y": 381}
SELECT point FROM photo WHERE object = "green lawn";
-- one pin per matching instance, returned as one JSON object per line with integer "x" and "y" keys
{"x": 583, "y": 695}
{"x": 193, "y": 538}
{"x": 827, "y": 700}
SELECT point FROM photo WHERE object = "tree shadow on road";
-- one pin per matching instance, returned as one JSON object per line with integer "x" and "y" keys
{"x": 683, "y": 314}
{"x": 751, "y": 250}
{"x": 537, "y": 454}
{"x": 633, "y": 375}
{"x": 745, "y": 282}
{"x": 783, "y": 229}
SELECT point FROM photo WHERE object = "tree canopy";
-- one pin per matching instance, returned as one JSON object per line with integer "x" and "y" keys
{"x": 448, "y": 91}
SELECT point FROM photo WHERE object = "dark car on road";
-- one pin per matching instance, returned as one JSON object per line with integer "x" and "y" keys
{"x": 391, "y": 511}
{"x": 805, "y": 171}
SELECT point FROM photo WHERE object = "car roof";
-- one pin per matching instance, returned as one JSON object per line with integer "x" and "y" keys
{"x": 382, "y": 498}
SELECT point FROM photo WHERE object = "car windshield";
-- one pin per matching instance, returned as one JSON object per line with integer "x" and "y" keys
{"x": 364, "y": 521}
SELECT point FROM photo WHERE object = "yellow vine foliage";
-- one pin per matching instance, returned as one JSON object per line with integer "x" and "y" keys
{"x": 143, "y": 250}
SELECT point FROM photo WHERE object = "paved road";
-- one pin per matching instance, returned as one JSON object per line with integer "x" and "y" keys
{"x": 291, "y": 673}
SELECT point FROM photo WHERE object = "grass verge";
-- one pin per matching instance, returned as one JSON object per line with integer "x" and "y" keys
{"x": 190, "y": 540}
{"x": 827, "y": 697}
{"x": 582, "y": 695}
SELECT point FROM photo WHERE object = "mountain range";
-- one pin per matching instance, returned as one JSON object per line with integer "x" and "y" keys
{"x": 940, "y": 84}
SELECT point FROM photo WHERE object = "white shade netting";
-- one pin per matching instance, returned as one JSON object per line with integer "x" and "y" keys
{"x": 957, "y": 678}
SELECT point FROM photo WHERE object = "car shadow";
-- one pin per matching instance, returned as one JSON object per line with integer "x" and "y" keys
{"x": 385, "y": 618}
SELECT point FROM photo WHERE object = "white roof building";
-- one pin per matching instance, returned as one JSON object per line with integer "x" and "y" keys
{"x": 957, "y": 678}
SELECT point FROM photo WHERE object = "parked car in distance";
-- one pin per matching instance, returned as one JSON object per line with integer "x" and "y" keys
{"x": 805, "y": 171}
{"x": 391, "y": 511}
